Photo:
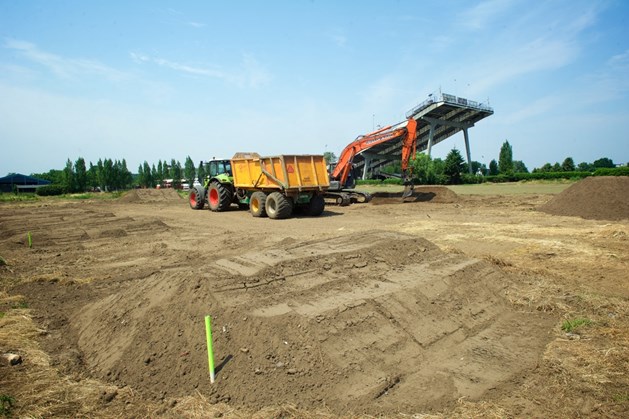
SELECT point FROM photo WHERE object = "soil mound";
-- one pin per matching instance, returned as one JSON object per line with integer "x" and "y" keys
{"x": 594, "y": 198}
{"x": 147, "y": 196}
{"x": 372, "y": 323}
{"x": 436, "y": 194}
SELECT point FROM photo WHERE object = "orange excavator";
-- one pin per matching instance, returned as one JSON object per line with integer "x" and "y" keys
{"x": 342, "y": 178}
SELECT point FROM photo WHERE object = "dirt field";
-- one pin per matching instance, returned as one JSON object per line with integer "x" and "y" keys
{"x": 449, "y": 306}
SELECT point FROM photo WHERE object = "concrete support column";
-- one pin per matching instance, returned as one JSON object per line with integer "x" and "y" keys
{"x": 467, "y": 150}
{"x": 366, "y": 167}
{"x": 431, "y": 135}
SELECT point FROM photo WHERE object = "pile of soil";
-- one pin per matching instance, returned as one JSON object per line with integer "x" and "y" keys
{"x": 594, "y": 198}
{"x": 146, "y": 196}
{"x": 375, "y": 323}
{"x": 436, "y": 194}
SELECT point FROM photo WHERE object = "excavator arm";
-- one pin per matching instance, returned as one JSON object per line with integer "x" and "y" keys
{"x": 365, "y": 142}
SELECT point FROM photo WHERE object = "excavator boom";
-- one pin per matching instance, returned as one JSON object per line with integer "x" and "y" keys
{"x": 341, "y": 172}
{"x": 365, "y": 142}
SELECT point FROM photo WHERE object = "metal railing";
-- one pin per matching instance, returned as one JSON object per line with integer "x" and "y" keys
{"x": 447, "y": 98}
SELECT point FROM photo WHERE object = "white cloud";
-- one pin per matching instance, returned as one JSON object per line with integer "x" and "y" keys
{"x": 139, "y": 58}
{"x": 337, "y": 37}
{"x": 536, "y": 108}
{"x": 67, "y": 68}
{"x": 197, "y": 25}
{"x": 483, "y": 13}
{"x": 250, "y": 73}
{"x": 538, "y": 55}
{"x": 619, "y": 61}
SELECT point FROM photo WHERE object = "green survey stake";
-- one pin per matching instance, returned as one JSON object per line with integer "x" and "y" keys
{"x": 210, "y": 351}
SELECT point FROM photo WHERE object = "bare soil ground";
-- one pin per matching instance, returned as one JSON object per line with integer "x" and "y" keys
{"x": 446, "y": 306}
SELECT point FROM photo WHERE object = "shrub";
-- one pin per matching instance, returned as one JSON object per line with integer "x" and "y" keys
{"x": 471, "y": 179}
{"x": 50, "y": 190}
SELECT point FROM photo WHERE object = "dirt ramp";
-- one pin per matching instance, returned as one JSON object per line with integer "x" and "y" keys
{"x": 376, "y": 323}
{"x": 436, "y": 194}
{"x": 595, "y": 198}
{"x": 149, "y": 196}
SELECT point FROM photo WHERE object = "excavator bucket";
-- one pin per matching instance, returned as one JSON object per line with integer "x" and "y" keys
{"x": 408, "y": 191}
{"x": 409, "y": 187}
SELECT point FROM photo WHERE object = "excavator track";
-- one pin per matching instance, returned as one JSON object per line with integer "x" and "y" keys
{"x": 342, "y": 199}
{"x": 361, "y": 197}
{"x": 345, "y": 198}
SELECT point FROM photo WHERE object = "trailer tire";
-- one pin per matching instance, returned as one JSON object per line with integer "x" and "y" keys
{"x": 196, "y": 198}
{"x": 316, "y": 206}
{"x": 257, "y": 204}
{"x": 219, "y": 197}
{"x": 278, "y": 206}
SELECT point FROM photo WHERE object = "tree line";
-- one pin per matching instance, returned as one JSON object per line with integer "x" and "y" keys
{"x": 105, "y": 175}
{"x": 149, "y": 176}
{"x": 112, "y": 175}
{"x": 454, "y": 169}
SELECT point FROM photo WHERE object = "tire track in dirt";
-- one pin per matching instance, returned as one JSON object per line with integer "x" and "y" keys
{"x": 358, "y": 322}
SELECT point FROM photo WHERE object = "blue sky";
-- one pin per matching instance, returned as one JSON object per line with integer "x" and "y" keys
{"x": 150, "y": 80}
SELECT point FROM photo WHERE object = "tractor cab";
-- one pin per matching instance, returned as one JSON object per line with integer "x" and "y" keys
{"x": 219, "y": 167}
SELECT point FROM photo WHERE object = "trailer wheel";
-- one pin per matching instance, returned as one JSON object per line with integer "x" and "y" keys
{"x": 315, "y": 206}
{"x": 278, "y": 206}
{"x": 257, "y": 204}
{"x": 219, "y": 197}
{"x": 196, "y": 198}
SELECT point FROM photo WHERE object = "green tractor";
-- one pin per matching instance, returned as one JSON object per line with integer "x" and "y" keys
{"x": 218, "y": 190}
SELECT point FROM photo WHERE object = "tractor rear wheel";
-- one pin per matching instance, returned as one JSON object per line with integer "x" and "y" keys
{"x": 219, "y": 197}
{"x": 196, "y": 198}
{"x": 278, "y": 206}
{"x": 257, "y": 204}
{"x": 315, "y": 206}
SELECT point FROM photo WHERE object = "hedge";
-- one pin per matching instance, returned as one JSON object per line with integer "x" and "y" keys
{"x": 511, "y": 177}
{"x": 516, "y": 177}
{"x": 50, "y": 190}
{"x": 615, "y": 171}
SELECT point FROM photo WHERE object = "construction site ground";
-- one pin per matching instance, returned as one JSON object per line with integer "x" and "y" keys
{"x": 453, "y": 305}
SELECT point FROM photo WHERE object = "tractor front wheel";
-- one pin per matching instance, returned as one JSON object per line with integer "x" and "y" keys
{"x": 219, "y": 197}
{"x": 196, "y": 198}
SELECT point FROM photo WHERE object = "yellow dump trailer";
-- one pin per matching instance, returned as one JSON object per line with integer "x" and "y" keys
{"x": 279, "y": 185}
{"x": 288, "y": 173}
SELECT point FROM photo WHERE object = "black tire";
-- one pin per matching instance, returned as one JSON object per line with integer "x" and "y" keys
{"x": 278, "y": 206}
{"x": 315, "y": 206}
{"x": 257, "y": 204}
{"x": 219, "y": 197}
{"x": 196, "y": 198}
